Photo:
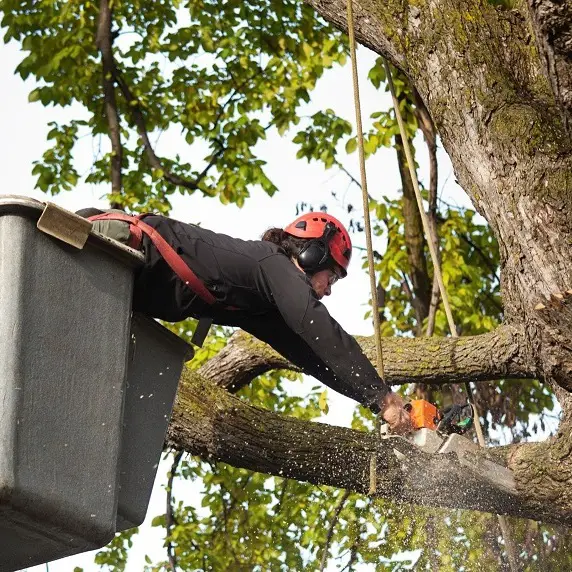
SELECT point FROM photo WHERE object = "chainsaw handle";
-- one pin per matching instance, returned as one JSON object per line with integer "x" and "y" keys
{"x": 456, "y": 419}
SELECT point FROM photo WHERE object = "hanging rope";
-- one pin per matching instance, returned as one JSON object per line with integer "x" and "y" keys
{"x": 503, "y": 523}
{"x": 365, "y": 196}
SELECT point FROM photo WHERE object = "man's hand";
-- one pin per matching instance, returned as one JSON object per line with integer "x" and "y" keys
{"x": 393, "y": 413}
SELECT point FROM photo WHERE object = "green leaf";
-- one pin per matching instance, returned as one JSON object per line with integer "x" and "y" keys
{"x": 34, "y": 95}
{"x": 158, "y": 520}
{"x": 323, "y": 402}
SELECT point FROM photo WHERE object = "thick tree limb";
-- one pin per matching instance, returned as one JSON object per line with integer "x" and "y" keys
{"x": 434, "y": 361}
{"x": 240, "y": 361}
{"x": 368, "y": 29}
{"x": 209, "y": 422}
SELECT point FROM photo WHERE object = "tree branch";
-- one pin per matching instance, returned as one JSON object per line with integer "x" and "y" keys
{"x": 353, "y": 555}
{"x": 139, "y": 121}
{"x": 169, "y": 512}
{"x": 331, "y": 528}
{"x": 368, "y": 30}
{"x": 209, "y": 422}
{"x": 433, "y": 306}
{"x": 414, "y": 239}
{"x": 240, "y": 361}
{"x": 430, "y": 134}
{"x": 104, "y": 43}
{"x": 436, "y": 361}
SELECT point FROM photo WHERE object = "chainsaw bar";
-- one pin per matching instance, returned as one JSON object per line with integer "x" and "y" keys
{"x": 452, "y": 447}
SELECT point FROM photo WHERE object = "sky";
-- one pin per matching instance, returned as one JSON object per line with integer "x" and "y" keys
{"x": 24, "y": 128}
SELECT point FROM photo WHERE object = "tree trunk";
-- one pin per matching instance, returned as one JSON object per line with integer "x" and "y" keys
{"x": 480, "y": 75}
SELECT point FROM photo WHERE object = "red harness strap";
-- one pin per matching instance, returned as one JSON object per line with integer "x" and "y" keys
{"x": 137, "y": 228}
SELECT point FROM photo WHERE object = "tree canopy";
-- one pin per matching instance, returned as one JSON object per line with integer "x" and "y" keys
{"x": 492, "y": 83}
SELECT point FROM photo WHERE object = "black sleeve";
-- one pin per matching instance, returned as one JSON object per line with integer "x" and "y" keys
{"x": 310, "y": 338}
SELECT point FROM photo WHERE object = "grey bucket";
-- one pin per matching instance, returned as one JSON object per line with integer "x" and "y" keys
{"x": 65, "y": 331}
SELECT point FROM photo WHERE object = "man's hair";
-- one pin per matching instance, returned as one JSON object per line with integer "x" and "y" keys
{"x": 291, "y": 245}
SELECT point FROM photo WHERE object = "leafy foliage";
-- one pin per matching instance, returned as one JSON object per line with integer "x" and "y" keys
{"x": 222, "y": 75}
{"x": 114, "y": 556}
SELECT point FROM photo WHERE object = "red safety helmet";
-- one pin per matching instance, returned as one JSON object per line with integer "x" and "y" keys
{"x": 332, "y": 241}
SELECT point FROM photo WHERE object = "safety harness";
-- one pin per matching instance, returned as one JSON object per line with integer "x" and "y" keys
{"x": 137, "y": 228}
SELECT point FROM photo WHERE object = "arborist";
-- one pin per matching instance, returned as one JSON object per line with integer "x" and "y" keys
{"x": 270, "y": 288}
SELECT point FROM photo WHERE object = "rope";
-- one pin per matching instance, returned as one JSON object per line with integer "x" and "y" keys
{"x": 503, "y": 523}
{"x": 365, "y": 196}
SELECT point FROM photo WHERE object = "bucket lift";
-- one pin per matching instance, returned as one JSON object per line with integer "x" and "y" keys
{"x": 86, "y": 387}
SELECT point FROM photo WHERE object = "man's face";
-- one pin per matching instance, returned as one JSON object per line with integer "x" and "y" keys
{"x": 323, "y": 281}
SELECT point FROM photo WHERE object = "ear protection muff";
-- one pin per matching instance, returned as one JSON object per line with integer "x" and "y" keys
{"x": 315, "y": 254}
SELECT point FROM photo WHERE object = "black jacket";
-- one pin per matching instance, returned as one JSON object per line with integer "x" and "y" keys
{"x": 275, "y": 302}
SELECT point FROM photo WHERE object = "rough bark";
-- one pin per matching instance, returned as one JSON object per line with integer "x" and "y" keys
{"x": 435, "y": 361}
{"x": 209, "y": 422}
{"x": 240, "y": 361}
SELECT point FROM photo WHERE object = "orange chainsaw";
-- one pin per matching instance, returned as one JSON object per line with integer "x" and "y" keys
{"x": 442, "y": 432}
{"x": 453, "y": 419}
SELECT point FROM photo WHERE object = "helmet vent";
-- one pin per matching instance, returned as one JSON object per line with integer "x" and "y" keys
{"x": 302, "y": 225}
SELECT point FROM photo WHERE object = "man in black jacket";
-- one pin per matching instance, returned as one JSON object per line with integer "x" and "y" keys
{"x": 272, "y": 289}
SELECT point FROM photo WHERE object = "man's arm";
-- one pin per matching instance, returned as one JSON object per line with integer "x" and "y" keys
{"x": 276, "y": 333}
{"x": 312, "y": 339}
